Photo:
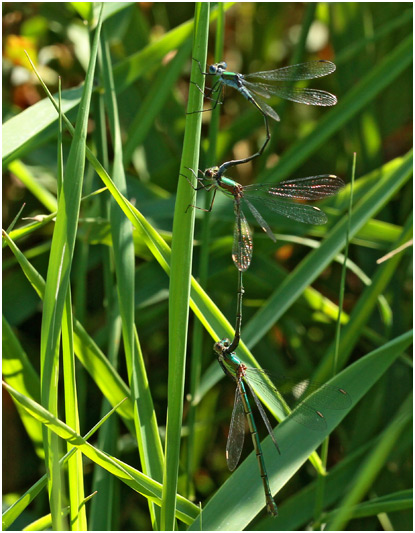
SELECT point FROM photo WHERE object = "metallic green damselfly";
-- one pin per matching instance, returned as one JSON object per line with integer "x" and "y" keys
{"x": 276, "y": 198}
{"x": 233, "y": 368}
{"x": 308, "y": 412}
{"x": 271, "y": 83}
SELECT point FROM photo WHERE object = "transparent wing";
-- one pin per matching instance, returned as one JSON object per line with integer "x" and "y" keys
{"x": 302, "y": 71}
{"x": 301, "y": 95}
{"x": 264, "y": 416}
{"x": 310, "y": 408}
{"x": 236, "y": 435}
{"x": 268, "y": 110}
{"x": 242, "y": 240}
{"x": 308, "y": 214}
{"x": 310, "y": 188}
{"x": 309, "y": 418}
{"x": 260, "y": 220}
{"x": 277, "y": 198}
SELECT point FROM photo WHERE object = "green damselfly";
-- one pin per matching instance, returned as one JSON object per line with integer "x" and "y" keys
{"x": 233, "y": 368}
{"x": 276, "y": 198}
{"x": 271, "y": 83}
{"x": 309, "y": 413}
{"x": 273, "y": 87}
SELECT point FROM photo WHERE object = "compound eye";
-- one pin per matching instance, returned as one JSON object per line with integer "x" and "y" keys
{"x": 213, "y": 69}
{"x": 223, "y": 65}
{"x": 218, "y": 347}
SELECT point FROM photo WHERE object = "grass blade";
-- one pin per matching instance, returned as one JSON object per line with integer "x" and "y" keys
{"x": 180, "y": 276}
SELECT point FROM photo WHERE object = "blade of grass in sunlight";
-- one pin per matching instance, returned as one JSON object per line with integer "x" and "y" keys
{"x": 57, "y": 283}
{"x": 180, "y": 274}
{"x": 236, "y": 503}
{"x": 186, "y": 511}
{"x": 151, "y": 453}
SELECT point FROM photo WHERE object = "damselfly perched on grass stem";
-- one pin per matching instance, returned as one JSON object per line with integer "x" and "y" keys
{"x": 309, "y": 411}
{"x": 271, "y": 83}
{"x": 276, "y": 198}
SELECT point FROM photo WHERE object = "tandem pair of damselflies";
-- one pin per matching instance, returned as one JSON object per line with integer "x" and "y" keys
{"x": 275, "y": 198}
{"x": 309, "y": 413}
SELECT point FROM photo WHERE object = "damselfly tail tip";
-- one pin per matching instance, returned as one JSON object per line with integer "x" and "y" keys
{"x": 272, "y": 508}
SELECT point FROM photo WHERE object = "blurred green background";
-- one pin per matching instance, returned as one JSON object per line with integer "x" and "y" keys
{"x": 358, "y": 37}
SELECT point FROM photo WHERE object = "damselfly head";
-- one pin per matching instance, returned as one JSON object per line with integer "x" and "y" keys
{"x": 221, "y": 346}
{"x": 217, "y": 68}
{"x": 211, "y": 173}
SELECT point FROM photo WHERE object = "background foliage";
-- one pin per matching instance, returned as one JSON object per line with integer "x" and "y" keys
{"x": 289, "y": 333}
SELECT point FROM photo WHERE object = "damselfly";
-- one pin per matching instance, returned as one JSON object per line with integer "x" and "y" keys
{"x": 271, "y": 83}
{"x": 307, "y": 413}
{"x": 276, "y": 198}
{"x": 233, "y": 368}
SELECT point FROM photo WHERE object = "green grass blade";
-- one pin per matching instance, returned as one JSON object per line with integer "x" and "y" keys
{"x": 398, "y": 501}
{"x": 235, "y": 504}
{"x": 19, "y": 373}
{"x": 57, "y": 283}
{"x": 19, "y": 134}
{"x": 307, "y": 271}
{"x": 151, "y": 454}
{"x": 22, "y": 172}
{"x": 180, "y": 276}
{"x": 354, "y": 101}
{"x": 197, "y": 337}
{"x": 75, "y": 467}
{"x": 122, "y": 238}
{"x": 374, "y": 464}
{"x": 363, "y": 309}
{"x": 335, "y": 355}
{"x": 186, "y": 511}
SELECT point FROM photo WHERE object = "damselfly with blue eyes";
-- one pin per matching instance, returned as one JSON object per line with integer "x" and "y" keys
{"x": 277, "y": 198}
{"x": 271, "y": 83}
{"x": 308, "y": 412}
